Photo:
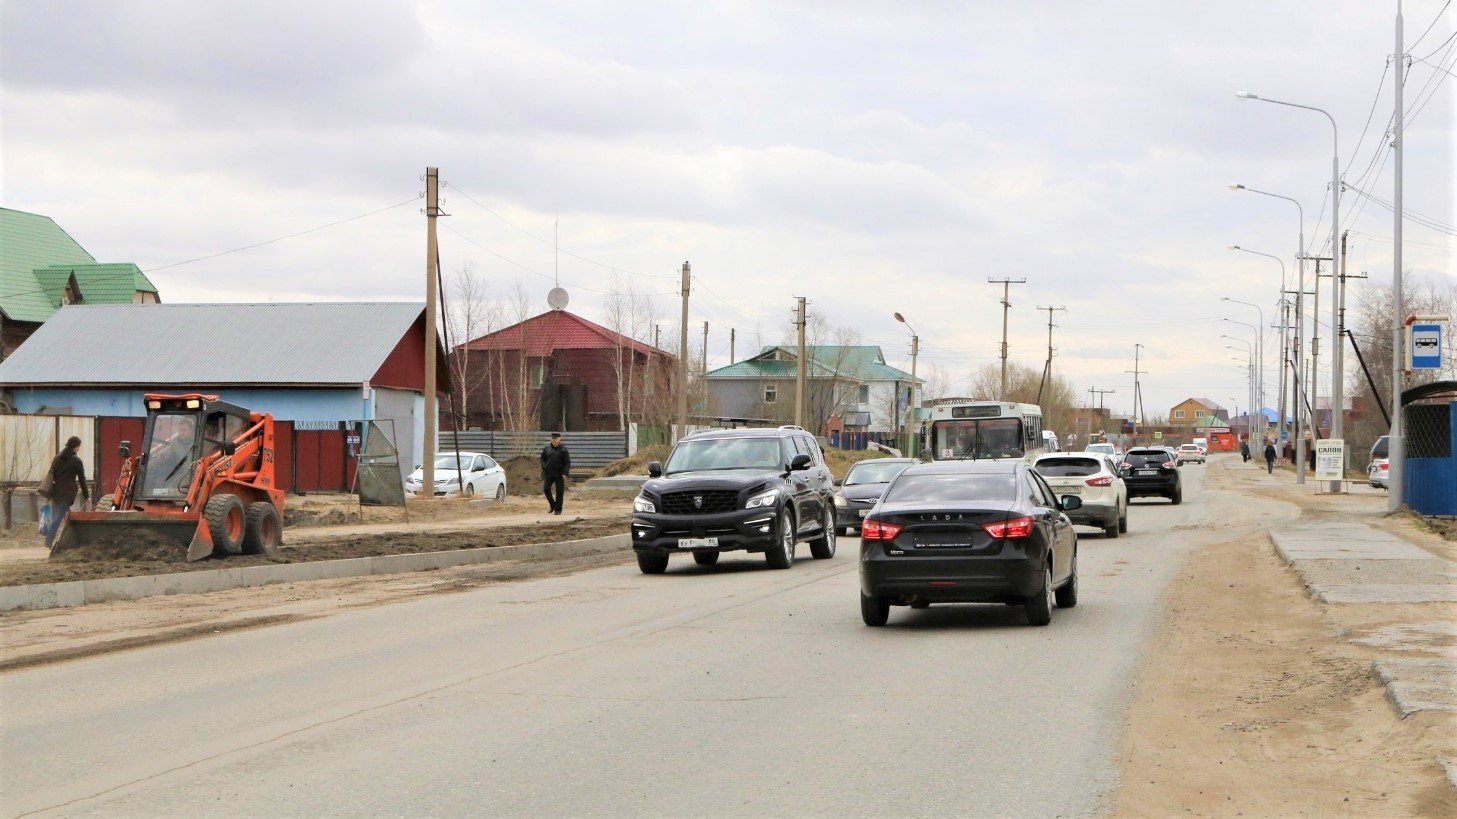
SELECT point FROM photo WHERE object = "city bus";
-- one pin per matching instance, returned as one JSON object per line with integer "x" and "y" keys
{"x": 962, "y": 429}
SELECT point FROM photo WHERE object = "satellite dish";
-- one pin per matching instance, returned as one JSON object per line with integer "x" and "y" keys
{"x": 557, "y": 298}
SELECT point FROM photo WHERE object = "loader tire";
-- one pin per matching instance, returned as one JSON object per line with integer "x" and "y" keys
{"x": 225, "y": 521}
{"x": 262, "y": 531}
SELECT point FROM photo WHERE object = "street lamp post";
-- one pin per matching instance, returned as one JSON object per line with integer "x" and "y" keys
{"x": 1338, "y": 398}
{"x": 1249, "y": 350}
{"x": 915, "y": 402}
{"x": 1260, "y": 351}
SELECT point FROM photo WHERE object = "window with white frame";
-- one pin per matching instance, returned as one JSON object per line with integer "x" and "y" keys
{"x": 1179, "y": 414}
{"x": 771, "y": 393}
{"x": 864, "y": 394}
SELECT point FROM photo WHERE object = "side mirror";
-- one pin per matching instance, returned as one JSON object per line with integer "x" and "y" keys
{"x": 1069, "y": 502}
{"x": 417, "y": 466}
{"x": 800, "y": 462}
{"x": 655, "y": 469}
{"x": 125, "y": 450}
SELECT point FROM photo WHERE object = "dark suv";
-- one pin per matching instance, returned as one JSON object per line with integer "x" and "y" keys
{"x": 752, "y": 490}
{"x": 1152, "y": 472}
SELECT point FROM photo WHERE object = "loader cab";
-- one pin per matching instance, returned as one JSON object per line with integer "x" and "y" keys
{"x": 180, "y": 431}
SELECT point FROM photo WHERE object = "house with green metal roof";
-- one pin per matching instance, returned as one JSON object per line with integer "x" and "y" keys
{"x": 846, "y": 386}
{"x": 42, "y": 269}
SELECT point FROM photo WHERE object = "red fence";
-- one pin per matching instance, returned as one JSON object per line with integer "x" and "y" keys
{"x": 305, "y": 460}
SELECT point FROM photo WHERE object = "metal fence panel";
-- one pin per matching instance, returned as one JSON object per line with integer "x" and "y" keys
{"x": 590, "y": 450}
{"x": 29, "y": 442}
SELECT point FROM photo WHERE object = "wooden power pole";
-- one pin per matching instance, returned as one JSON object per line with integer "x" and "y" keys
{"x": 799, "y": 369}
{"x": 1006, "y": 305}
{"x": 683, "y": 360}
{"x": 432, "y": 298}
{"x": 1047, "y": 367}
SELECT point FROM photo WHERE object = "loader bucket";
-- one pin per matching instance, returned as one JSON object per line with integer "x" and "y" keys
{"x": 135, "y": 535}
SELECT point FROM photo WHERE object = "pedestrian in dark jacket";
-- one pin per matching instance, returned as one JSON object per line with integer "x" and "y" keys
{"x": 556, "y": 464}
{"x": 1270, "y": 457}
{"x": 67, "y": 478}
{"x": 1244, "y": 450}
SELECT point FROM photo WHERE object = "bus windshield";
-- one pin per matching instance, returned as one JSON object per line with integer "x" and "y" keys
{"x": 981, "y": 438}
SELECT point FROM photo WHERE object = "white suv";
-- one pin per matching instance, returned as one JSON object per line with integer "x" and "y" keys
{"x": 1187, "y": 453}
{"x": 1093, "y": 478}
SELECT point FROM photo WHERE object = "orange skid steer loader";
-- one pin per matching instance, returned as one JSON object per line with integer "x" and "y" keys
{"x": 203, "y": 479}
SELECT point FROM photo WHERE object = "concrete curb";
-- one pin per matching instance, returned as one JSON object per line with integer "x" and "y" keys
{"x": 82, "y": 592}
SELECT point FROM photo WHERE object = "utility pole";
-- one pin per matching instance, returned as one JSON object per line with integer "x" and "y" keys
{"x": 683, "y": 359}
{"x": 1137, "y": 390}
{"x": 732, "y": 333}
{"x": 1341, "y": 333}
{"x": 1100, "y": 394}
{"x": 657, "y": 333}
{"x": 799, "y": 369}
{"x": 1046, "y": 368}
{"x": 1284, "y": 306}
{"x": 705, "y": 348}
{"x": 1396, "y": 441}
{"x": 432, "y": 299}
{"x": 1006, "y": 305}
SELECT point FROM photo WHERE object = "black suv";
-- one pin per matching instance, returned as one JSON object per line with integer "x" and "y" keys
{"x": 753, "y": 490}
{"x": 1152, "y": 472}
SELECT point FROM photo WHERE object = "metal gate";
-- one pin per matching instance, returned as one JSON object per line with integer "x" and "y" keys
{"x": 590, "y": 450}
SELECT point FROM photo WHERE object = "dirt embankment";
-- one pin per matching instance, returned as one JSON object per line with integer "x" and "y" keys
{"x": 148, "y": 556}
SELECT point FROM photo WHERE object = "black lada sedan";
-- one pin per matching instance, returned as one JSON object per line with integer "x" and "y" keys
{"x": 754, "y": 490}
{"x": 862, "y": 488}
{"x": 969, "y": 532}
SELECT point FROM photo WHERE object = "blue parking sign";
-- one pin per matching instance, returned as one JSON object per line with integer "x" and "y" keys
{"x": 1426, "y": 346}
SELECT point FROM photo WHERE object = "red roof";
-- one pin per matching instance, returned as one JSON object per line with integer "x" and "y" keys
{"x": 556, "y": 330}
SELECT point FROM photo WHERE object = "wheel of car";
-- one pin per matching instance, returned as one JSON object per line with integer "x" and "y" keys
{"x": 874, "y": 610}
{"x": 921, "y": 604}
{"x": 470, "y": 490}
{"x": 1177, "y": 497}
{"x": 1067, "y": 596}
{"x": 823, "y": 547}
{"x": 780, "y": 555}
{"x": 1039, "y": 605}
{"x": 705, "y": 558}
{"x": 651, "y": 563}
{"x": 1112, "y": 530}
{"x": 1123, "y": 522}
{"x": 501, "y": 491}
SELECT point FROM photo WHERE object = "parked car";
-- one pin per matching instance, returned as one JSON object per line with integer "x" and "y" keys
{"x": 753, "y": 490}
{"x": 1095, "y": 479}
{"x": 1104, "y": 449}
{"x": 863, "y": 485}
{"x": 1152, "y": 472}
{"x": 1379, "y": 470}
{"x": 969, "y": 532}
{"x": 1188, "y": 453}
{"x": 483, "y": 477}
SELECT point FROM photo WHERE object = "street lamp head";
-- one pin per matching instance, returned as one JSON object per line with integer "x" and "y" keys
{"x": 900, "y": 318}
{"x": 1245, "y": 95}
{"x": 1235, "y": 247}
{"x": 1236, "y": 187}
{"x": 1224, "y": 298}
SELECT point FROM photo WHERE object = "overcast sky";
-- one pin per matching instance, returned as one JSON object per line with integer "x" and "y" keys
{"x": 873, "y": 157}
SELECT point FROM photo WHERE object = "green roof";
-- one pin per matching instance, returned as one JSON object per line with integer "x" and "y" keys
{"x": 29, "y": 241}
{"x": 857, "y": 363}
{"x": 38, "y": 259}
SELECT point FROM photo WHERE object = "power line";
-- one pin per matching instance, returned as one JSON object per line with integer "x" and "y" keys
{"x": 1438, "y": 48}
{"x": 1430, "y": 25}
{"x": 234, "y": 250}
{"x": 1380, "y": 85}
{"x": 535, "y": 272}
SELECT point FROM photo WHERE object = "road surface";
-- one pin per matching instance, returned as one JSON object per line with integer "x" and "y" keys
{"x": 721, "y": 690}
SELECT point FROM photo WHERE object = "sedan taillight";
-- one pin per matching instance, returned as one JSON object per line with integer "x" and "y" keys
{"x": 1010, "y": 529}
{"x": 873, "y": 529}
{"x": 1106, "y": 480}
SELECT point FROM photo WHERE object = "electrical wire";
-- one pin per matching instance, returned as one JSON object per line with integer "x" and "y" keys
{"x": 1438, "y": 48}
{"x": 1380, "y": 86}
{"x": 1432, "y": 24}
{"x": 535, "y": 272}
{"x": 229, "y": 252}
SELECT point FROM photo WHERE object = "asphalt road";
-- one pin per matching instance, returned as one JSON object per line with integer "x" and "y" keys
{"x": 725, "y": 690}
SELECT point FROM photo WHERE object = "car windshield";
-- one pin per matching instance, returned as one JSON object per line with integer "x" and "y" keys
{"x": 1189, "y": 448}
{"x": 912, "y": 488}
{"x": 1068, "y": 467}
{"x": 874, "y": 472}
{"x": 724, "y": 453}
{"x": 1146, "y": 457}
{"x": 988, "y": 438}
{"x": 448, "y": 461}
{"x": 1108, "y": 448}
{"x": 169, "y": 459}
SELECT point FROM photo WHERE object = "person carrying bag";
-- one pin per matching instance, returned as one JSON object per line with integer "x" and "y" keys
{"x": 63, "y": 481}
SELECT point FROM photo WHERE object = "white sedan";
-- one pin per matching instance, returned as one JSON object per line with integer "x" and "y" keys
{"x": 483, "y": 477}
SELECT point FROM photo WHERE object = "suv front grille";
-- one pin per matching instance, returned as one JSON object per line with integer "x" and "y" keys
{"x": 706, "y": 502}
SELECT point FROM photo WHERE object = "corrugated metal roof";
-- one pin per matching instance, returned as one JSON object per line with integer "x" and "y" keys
{"x": 102, "y": 283}
{"x": 29, "y": 241}
{"x": 860, "y": 362}
{"x": 557, "y": 330}
{"x": 211, "y": 344}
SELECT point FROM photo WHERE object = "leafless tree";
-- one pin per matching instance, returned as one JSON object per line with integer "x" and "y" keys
{"x": 472, "y": 314}
{"x": 26, "y": 448}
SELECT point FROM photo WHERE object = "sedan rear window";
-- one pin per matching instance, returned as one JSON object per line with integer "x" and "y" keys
{"x": 1068, "y": 467}
{"x": 1147, "y": 456}
{"x": 911, "y": 488}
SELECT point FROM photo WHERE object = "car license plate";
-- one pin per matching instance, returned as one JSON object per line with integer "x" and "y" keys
{"x": 697, "y": 543}
{"x": 1069, "y": 490}
{"x": 863, "y": 512}
{"x": 1148, "y": 472}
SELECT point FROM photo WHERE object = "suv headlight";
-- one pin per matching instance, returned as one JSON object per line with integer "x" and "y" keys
{"x": 840, "y": 500}
{"x": 642, "y": 504}
{"x": 762, "y": 499}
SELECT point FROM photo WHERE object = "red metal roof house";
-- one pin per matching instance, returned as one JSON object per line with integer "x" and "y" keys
{"x": 559, "y": 371}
